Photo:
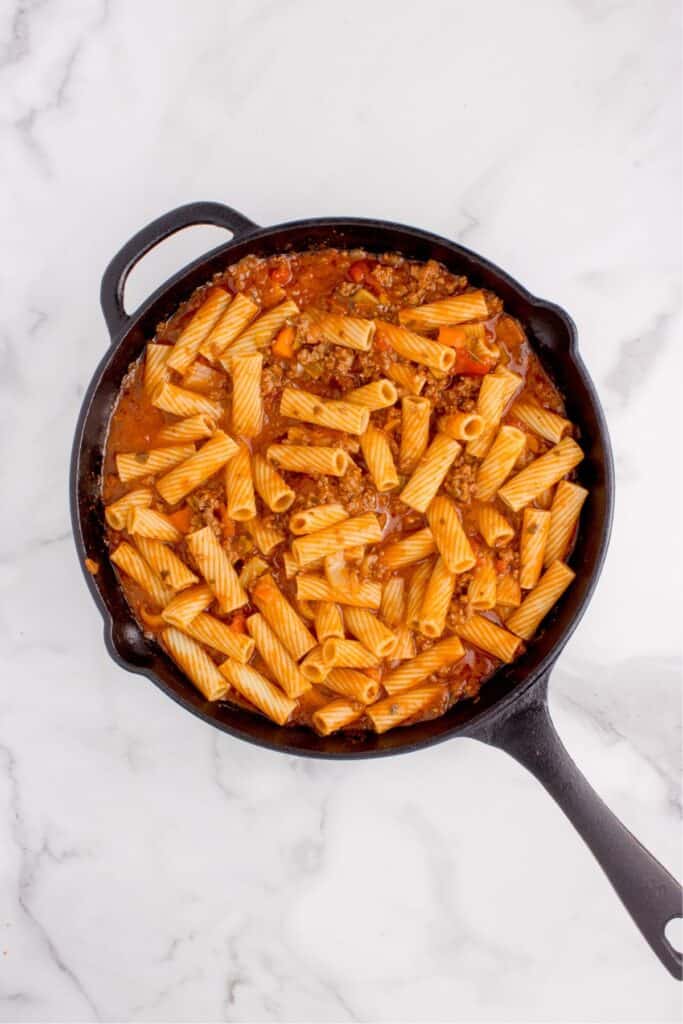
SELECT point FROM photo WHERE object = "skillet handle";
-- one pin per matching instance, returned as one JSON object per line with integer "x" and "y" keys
{"x": 114, "y": 277}
{"x": 647, "y": 890}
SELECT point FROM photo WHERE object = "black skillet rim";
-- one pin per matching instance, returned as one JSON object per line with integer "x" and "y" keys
{"x": 411, "y": 738}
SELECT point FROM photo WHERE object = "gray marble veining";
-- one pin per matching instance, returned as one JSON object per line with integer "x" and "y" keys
{"x": 152, "y": 870}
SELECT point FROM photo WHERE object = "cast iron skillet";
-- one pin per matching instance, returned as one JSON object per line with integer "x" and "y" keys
{"x": 512, "y": 712}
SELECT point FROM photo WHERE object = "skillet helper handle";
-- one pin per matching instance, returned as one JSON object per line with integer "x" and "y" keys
{"x": 647, "y": 890}
{"x": 114, "y": 278}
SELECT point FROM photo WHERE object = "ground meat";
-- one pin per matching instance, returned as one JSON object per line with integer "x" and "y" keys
{"x": 459, "y": 482}
{"x": 206, "y": 505}
{"x": 459, "y": 396}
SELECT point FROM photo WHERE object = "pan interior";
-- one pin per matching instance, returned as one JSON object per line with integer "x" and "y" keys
{"x": 552, "y": 333}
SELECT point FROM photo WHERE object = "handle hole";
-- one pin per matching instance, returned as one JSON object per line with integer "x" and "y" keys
{"x": 673, "y": 932}
{"x": 166, "y": 258}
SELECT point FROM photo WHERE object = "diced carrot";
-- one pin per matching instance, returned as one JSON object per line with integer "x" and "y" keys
{"x": 464, "y": 363}
{"x": 238, "y": 623}
{"x": 182, "y": 519}
{"x": 283, "y": 346}
{"x": 454, "y": 337}
{"x": 359, "y": 270}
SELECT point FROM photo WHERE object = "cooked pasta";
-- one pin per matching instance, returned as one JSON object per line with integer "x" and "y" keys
{"x": 238, "y": 315}
{"x": 449, "y": 536}
{"x": 482, "y": 633}
{"x": 130, "y": 561}
{"x": 193, "y": 334}
{"x": 564, "y": 515}
{"x": 182, "y": 402}
{"x": 392, "y": 711}
{"x": 378, "y": 458}
{"x": 495, "y": 394}
{"x": 357, "y": 530}
{"x": 281, "y": 617}
{"x": 116, "y": 514}
{"x": 265, "y": 537}
{"x": 542, "y": 421}
{"x": 417, "y": 585}
{"x": 350, "y": 682}
{"x": 319, "y": 459}
{"x": 393, "y": 604}
{"x": 497, "y": 465}
{"x": 481, "y": 593}
{"x": 259, "y": 691}
{"x": 416, "y": 348}
{"x": 148, "y": 523}
{"x": 239, "y": 486}
{"x": 410, "y": 378}
{"x": 310, "y": 520}
{"x": 260, "y": 332}
{"x": 131, "y": 465}
{"x": 462, "y": 426}
{"x": 276, "y": 657}
{"x": 310, "y": 587}
{"x": 543, "y": 472}
{"x": 217, "y": 569}
{"x": 184, "y": 608}
{"x": 195, "y": 663}
{"x": 445, "y": 652}
{"x": 347, "y": 331}
{"x": 533, "y": 539}
{"x": 347, "y": 478}
{"x": 201, "y": 377}
{"x": 167, "y": 565}
{"x": 456, "y": 310}
{"x": 412, "y": 548}
{"x": 436, "y": 600}
{"x": 370, "y": 631}
{"x": 337, "y": 415}
{"x": 336, "y": 715}
{"x": 194, "y": 428}
{"x": 188, "y": 475}
{"x": 156, "y": 370}
{"x": 272, "y": 488}
{"x": 415, "y": 416}
{"x": 526, "y": 619}
{"x": 379, "y": 395}
{"x": 493, "y": 526}
{"x": 247, "y": 402}
{"x": 328, "y": 621}
{"x": 216, "y": 634}
{"x": 430, "y": 472}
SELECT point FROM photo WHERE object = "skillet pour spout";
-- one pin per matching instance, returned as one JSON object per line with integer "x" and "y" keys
{"x": 512, "y": 712}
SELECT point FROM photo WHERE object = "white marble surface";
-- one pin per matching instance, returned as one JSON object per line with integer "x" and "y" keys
{"x": 152, "y": 869}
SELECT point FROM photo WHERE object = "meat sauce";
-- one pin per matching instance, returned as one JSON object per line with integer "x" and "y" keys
{"x": 359, "y": 284}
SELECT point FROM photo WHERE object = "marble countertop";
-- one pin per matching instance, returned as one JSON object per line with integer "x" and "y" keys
{"x": 153, "y": 869}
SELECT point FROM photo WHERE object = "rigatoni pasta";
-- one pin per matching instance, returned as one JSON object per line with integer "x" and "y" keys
{"x": 197, "y": 468}
{"x": 337, "y": 415}
{"x": 379, "y": 459}
{"x": 236, "y": 318}
{"x": 217, "y": 569}
{"x": 334, "y": 503}
{"x": 247, "y": 402}
{"x": 193, "y": 334}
